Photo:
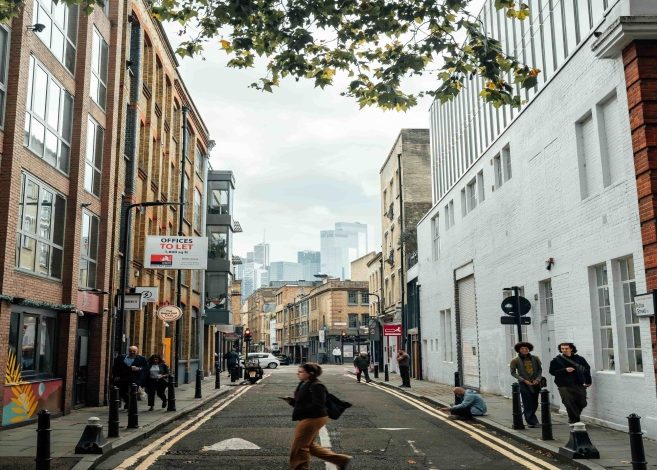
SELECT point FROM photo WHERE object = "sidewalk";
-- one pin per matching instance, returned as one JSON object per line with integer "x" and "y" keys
{"x": 18, "y": 445}
{"x": 614, "y": 446}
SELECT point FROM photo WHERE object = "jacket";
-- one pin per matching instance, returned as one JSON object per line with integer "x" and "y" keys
{"x": 123, "y": 373}
{"x": 404, "y": 361}
{"x": 164, "y": 370}
{"x": 563, "y": 378}
{"x": 309, "y": 401}
{"x": 362, "y": 362}
{"x": 474, "y": 401}
{"x": 232, "y": 358}
{"x": 518, "y": 371}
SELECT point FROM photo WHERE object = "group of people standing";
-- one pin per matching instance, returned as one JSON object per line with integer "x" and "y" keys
{"x": 151, "y": 374}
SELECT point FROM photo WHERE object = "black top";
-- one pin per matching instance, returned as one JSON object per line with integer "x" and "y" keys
{"x": 121, "y": 371}
{"x": 309, "y": 401}
{"x": 563, "y": 378}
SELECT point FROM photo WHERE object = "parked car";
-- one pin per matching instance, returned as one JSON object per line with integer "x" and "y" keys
{"x": 267, "y": 360}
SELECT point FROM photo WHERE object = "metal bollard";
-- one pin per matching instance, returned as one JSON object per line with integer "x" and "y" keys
{"x": 171, "y": 395}
{"x": 457, "y": 383}
{"x": 376, "y": 371}
{"x": 636, "y": 443}
{"x": 199, "y": 378}
{"x": 217, "y": 377}
{"x": 517, "y": 411}
{"x": 114, "y": 405}
{"x": 133, "y": 412}
{"x": 43, "y": 441}
{"x": 386, "y": 375}
{"x": 579, "y": 445}
{"x": 546, "y": 418}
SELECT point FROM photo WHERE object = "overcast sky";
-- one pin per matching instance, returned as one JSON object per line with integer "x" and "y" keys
{"x": 303, "y": 158}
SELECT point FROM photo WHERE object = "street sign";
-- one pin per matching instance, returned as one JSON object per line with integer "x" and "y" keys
{"x": 148, "y": 294}
{"x": 512, "y": 321}
{"x": 644, "y": 305}
{"x": 392, "y": 330}
{"x": 132, "y": 301}
{"x": 509, "y": 306}
{"x": 175, "y": 252}
{"x": 169, "y": 313}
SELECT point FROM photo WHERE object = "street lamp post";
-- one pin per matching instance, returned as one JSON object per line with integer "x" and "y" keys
{"x": 378, "y": 319}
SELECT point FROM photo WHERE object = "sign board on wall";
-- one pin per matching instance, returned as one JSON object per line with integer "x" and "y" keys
{"x": 392, "y": 330}
{"x": 176, "y": 252}
{"x": 169, "y": 313}
{"x": 148, "y": 294}
{"x": 644, "y": 305}
{"x": 132, "y": 301}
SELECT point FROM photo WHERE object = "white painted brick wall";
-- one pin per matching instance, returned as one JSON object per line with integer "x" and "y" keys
{"x": 536, "y": 215}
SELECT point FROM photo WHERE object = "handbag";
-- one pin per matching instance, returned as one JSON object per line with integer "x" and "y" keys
{"x": 335, "y": 407}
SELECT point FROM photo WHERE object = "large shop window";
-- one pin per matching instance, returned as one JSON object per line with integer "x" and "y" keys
{"x": 61, "y": 31}
{"x": 49, "y": 117}
{"x": 94, "y": 158}
{"x": 32, "y": 341}
{"x": 98, "y": 85}
{"x": 4, "y": 58}
{"x": 88, "y": 250}
{"x": 41, "y": 220}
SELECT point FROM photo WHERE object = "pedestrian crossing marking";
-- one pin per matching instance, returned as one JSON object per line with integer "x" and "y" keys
{"x": 234, "y": 443}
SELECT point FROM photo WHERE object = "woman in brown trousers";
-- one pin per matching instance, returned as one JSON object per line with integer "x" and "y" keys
{"x": 309, "y": 404}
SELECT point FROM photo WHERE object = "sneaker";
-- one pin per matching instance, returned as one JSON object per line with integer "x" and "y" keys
{"x": 164, "y": 404}
{"x": 368, "y": 381}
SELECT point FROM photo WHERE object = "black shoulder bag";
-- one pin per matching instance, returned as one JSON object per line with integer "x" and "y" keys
{"x": 334, "y": 406}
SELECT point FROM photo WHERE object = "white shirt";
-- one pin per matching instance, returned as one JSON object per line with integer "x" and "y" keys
{"x": 336, "y": 352}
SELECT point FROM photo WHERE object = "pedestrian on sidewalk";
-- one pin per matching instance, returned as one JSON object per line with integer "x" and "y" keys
{"x": 337, "y": 355}
{"x": 362, "y": 364}
{"x": 310, "y": 413}
{"x": 157, "y": 381}
{"x": 232, "y": 360}
{"x": 572, "y": 374}
{"x": 472, "y": 405}
{"x": 527, "y": 369}
{"x": 129, "y": 369}
{"x": 404, "y": 361}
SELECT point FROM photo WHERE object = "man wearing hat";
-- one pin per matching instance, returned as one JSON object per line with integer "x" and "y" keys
{"x": 527, "y": 370}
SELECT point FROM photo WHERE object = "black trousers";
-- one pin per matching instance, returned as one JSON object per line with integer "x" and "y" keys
{"x": 405, "y": 372}
{"x": 363, "y": 371}
{"x": 573, "y": 398}
{"x": 154, "y": 386}
{"x": 529, "y": 395}
{"x": 337, "y": 359}
{"x": 463, "y": 413}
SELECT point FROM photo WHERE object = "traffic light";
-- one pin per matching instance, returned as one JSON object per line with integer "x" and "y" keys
{"x": 247, "y": 335}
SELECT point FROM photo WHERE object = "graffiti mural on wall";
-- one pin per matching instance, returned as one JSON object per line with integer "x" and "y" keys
{"x": 22, "y": 400}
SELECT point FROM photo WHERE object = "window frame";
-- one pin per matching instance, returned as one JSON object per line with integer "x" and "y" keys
{"x": 88, "y": 257}
{"x": 4, "y": 73}
{"x": 631, "y": 326}
{"x": 94, "y": 165}
{"x": 352, "y": 297}
{"x": 435, "y": 237}
{"x": 198, "y": 207}
{"x": 605, "y": 350}
{"x": 64, "y": 30}
{"x": 97, "y": 63}
{"x": 19, "y": 333}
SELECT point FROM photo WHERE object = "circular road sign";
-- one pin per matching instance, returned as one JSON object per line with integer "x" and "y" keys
{"x": 169, "y": 313}
{"x": 509, "y": 306}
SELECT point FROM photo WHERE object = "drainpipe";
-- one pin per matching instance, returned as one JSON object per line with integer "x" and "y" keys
{"x": 401, "y": 262}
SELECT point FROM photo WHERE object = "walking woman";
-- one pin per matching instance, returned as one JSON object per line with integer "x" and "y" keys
{"x": 309, "y": 404}
{"x": 527, "y": 369}
{"x": 157, "y": 382}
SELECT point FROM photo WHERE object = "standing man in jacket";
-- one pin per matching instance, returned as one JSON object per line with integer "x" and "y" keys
{"x": 572, "y": 374}
{"x": 362, "y": 363}
{"x": 129, "y": 369}
{"x": 404, "y": 361}
{"x": 527, "y": 370}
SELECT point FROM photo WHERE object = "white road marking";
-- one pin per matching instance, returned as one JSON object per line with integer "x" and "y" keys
{"x": 394, "y": 429}
{"x": 509, "y": 450}
{"x": 415, "y": 449}
{"x": 325, "y": 441}
{"x": 234, "y": 443}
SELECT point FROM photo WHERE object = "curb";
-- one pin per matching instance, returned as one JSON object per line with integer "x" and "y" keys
{"x": 91, "y": 460}
{"x": 516, "y": 435}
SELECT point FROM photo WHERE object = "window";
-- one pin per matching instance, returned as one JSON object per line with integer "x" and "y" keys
{"x": 48, "y": 118}
{"x": 106, "y": 7}
{"x": 480, "y": 186}
{"x": 98, "y": 84}
{"x": 4, "y": 58}
{"x": 546, "y": 289}
{"x": 217, "y": 242}
{"x": 471, "y": 195}
{"x": 603, "y": 307}
{"x": 631, "y": 321}
{"x": 353, "y": 320}
{"x": 352, "y": 298}
{"x": 193, "y": 344}
{"x": 61, "y": 31}
{"x": 185, "y": 190}
{"x": 464, "y": 204}
{"x": 32, "y": 339}
{"x": 451, "y": 213}
{"x": 198, "y": 162}
{"x": 88, "y": 250}
{"x": 197, "y": 210}
{"x": 588, "y": 157}
{"x": 364, "y": 298}
{"x": 497, "y": 171}
{"x": 40, "y": 229}
{"x": 446, "y": 329}
{"x": 506, "y": 163}
{"x": 94, "y": 159}
{"x": 365, "y": 320}
{"x": 435, "y": 244}
{"x": 218, "y": 199}
{"x": 447, "y": 217}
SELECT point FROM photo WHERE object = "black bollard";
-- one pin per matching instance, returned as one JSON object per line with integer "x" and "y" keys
{"x": 114, "y": 405}
{"x": 217, "y": 377}
{"x": 517, "y": 411}
{"x": 43, "y": 441}
{"x": 376, "y": 371}
{"x": 457, "y": 383}
{"x": 199, "y": 378}
{"x": 171, "y": 395}
{"x": 636, "y": 443}
{"x": 133, "y": 412}
{"x": 546, "y": 418}
{"x": 579, "y": 445}
{"x": 385, "y": 373}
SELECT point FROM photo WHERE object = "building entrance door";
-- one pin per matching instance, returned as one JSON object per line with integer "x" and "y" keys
{"x": 467, "y": 312}
{"x": 81, "y": 355}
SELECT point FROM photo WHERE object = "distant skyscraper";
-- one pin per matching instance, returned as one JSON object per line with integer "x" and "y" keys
{"x": 339, "y": 247}
{"x": 310, "y": 262}
{"x": 250, "y": 257}
{"x": 254, "y": 276}
{"x": 261, "y": 254}
{"x": 285, "y": 271}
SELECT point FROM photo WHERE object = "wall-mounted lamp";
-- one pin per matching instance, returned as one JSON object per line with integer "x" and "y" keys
{"x": 36, "y": 27}
{"x": 597, "y": 34}
{"x": 85, "y": 204}
{"x": 548, "y": 263}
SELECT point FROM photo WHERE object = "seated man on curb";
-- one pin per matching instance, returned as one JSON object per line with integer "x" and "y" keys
{"x": 472, "y": 405}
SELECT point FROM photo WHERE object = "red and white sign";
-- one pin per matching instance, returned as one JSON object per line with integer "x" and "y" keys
{"x": 392, "y": 330}
{"x": 176, "y": 252}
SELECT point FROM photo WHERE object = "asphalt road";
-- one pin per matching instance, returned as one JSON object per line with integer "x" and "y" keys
{"x": 251, "y": 429}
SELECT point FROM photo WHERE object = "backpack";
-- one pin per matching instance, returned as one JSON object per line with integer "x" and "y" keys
{"x": 335, "y": 407}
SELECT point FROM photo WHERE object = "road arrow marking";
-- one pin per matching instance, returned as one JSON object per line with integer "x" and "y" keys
{"x": 234, "y": 443}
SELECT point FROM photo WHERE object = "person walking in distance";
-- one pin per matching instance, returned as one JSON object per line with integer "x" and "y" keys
{"x": 572, "y": 375}
{"x": 232, "y": 360}
{"x": 362, "y": 364}
{"x": 157, "y": 380}
{"x": 404, "y": 361}
{"x": 527, "y": 370}
{"x": 129, "y": 369}
{"x": 310, "y": 413}
{"x": 337, "y": 355}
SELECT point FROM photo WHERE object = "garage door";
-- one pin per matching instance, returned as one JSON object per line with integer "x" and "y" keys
{"x": 469, "y": 338}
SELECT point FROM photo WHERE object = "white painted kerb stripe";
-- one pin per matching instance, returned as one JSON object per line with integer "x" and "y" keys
{"x": 325, "y": 441}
